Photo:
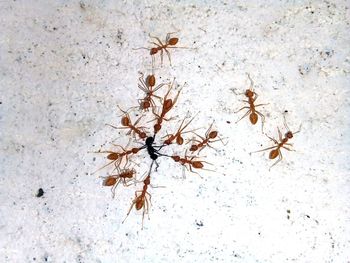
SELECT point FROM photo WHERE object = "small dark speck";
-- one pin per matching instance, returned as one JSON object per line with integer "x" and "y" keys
{"x": 228, "y": 122}
{"x": 34, "y": 259}
{"x": 200, "y": 223}
{"x": 285, "y": 111}
{"x": 288, "y": 211}
{"x": 40, "y": 192}
{"x": 307, "y": 216}
{"x": 0, "y": 102}
{"x": 54, "y": 28}
{"x": 94, "y": 159}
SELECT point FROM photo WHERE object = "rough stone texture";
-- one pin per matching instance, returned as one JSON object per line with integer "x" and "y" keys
{"x": 64, "y": 67}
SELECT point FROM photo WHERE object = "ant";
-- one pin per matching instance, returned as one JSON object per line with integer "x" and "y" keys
{"x": 117, "y": 157}
{"x": 141, "y": 197}
{"x": 177, "y": 136}
{"x": 170, "y": 42}
{"x": 209, "y": 138}
{"x": 167, "y": 106}
{"x": 253, "y": 113}
{"x": 125, "y": 176}
{"x": 189, "y": 161}
{"x": 276, "y": 152}
{"x": 126, "y": 123}
{"x": 147, "y": 87}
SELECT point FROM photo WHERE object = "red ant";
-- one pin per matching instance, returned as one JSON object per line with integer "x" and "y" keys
{"x": 170, "y": 42}
{"x": 117, "y": 157}
{"x": 252, "y": 96}
{"x": 167, "y": 106}
{"x": 209, "y": 138}
{"x": 190, "y": 162}
{"x": 147, "y": 87}
{"x": 276, "y": 152}
{"x": 126, "y": 123}
{"x": 177, "y": 136}
{"x": 125, "y": 176}
{"x": 141, "y": 200}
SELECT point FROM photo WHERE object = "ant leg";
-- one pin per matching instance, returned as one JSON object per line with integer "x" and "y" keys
{"x": 157, "y": 38}
{"x": 288, "y": 148}
{"x": 251, "y": 81}
{"x": 168, "y": 36}
{"x": 262, "y": 120}
{"x": 272, "y": 139}
{"x": 269, "y": 148}
{"x": 157, "y": 88}
{"x": 262, "y": 104}
{"x": 168, "y": 54}
{"x": 244, "y": 115}
{"x": 131, "y": 207}
{"x": 204, "y": 147}
{"x": 246, "y": 107}
{"x": 114, "y": 187}
{"x": 161, "y": 57}
{"x": 153, "y": 60}
{"x": 279, "y": 134}
{"x": 103, "y": 167}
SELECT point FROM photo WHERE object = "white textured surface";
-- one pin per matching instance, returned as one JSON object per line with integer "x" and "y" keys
{"x": 65, "y": 66}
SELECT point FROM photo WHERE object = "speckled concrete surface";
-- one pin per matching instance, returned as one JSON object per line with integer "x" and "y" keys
{"x": 65, "y": 65}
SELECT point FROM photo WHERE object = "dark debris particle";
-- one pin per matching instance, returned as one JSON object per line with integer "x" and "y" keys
{"x": 200, "y": 223}
{"x": 40, "y": 192}
{"x": 228, "y": 122}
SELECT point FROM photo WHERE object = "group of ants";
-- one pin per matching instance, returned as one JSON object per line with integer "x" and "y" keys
{"x": 121, "y": 159}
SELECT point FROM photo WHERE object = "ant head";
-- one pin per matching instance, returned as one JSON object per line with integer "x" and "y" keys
{"x": 249, "y": 93}
{"x": 145, "y": 104}
{"x": 135, "y": 150}
{"x": 153, "y": 51}
{"x": 176, "y": 158}
{"x": 173, "y": 41}
{"x": 143, "y": 135}
{"x": 149, "y": 141}
{"x": 289, "y": 135}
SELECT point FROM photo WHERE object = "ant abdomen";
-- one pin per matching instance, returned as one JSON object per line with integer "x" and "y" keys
{"x": 173, "y": 41}
{"x": 273, "y": 154}
{"x": 197, "y": 164}
{"x": 253, "y": 117}
{"x": 113, "y": 156}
